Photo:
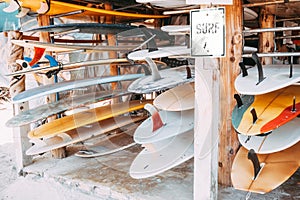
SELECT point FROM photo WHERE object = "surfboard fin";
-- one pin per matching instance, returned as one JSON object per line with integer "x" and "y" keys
{"x": 188, "y": 72}
{"x": 44, "y": 8}
{"x": 23, "y": 12}
{"x": 53, "y": 63}
{"x": 156, "y": 119}
{"x": 244, "y": 69}
{"x": 256, "y": 165}
{"x": 12, "y": 7}
{"x": 155, "y": 73}
{"x": 238, "y": 99}
{"x": 294, "y": 105}
{"x": 38, "y": 53}
{"x": 151, "y": 43}
{"x": 254, "y": 115}
{"x": 259, "y": 68}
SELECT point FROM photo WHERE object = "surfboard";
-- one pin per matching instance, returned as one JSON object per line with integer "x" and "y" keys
{"x": 62, "y": 105}
{"x": 161, "y": 52}
{"x": 177, "y": 99}
{"x": 8, "y": 20}
{"x": 258, "y": 114}
{"x": 95, "y": 130}
{"x": 70, "y": 122}
{"x": 274, "y": 77}
{"x": 276, "y": 168}
{"x": 71, "y": 47}
{"x": 163, "y": 79}
{"x": 172, "y": 124}
{"x": 279, "y": 139}
{"x": 165, "y": 3}
{"x": 69, "y": 85}
{"x": 249, "y": 14}
{"x": 158, "y": 157}
{"x": 113, "y": 143}
{"x": 176, "y": 28}
{"x": 57, "y": 7}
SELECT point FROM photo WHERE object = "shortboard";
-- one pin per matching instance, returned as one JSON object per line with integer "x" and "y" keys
{"x": 270, "y": 171}
{"x": 279, "y": 139}
{"x": 176, "y": 99}
{"x": 69, "y": 85}
{"x": 55, "y": 107}
{"x": 163, "y": 79}
{"x": 57, "y": 7}
{"x": 163, "y": 125}
{"x": 254, "y": 115}
{"x": 70, "y": 122}
{"x": 118, "y": 141}
{"x": 274, "y": 77}
{"x": 95, "y": 130}
{"x": 159, "y": 157}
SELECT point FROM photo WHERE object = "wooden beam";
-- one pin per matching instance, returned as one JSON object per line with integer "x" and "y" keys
{"x": 17, "y": 85}
{"x": 266, "y": 39}
{"x": 229, "y": 70}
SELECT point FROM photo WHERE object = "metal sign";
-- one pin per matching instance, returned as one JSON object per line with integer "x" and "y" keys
{"x": 208, "y": 32}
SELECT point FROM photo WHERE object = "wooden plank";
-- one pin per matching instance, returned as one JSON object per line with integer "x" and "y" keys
{"x": 266, "y": 39}
{"x": 17, "y": 85}
{"x": 229, "y": 69}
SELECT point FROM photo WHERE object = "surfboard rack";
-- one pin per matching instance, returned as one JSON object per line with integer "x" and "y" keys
{"x": 238, "y": 99}
{"x": 254, "y": 115}
{"x": 256, "y": 165}
{"x": 173, "y": 62}
{"x": 259, "y": 68}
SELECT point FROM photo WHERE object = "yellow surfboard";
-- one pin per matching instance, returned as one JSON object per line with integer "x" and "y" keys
{"x": 84, "y": 118}
{"x": 57, "y": 7}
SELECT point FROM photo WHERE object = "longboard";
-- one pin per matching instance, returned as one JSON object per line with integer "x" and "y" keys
{"x": 278, "y": 140}
{"x": 95, "y": 130}
{"x": 276, "y": 169}
{"x": 69, "y": 85}
{"x": 161, "y": 52}
{"x": 57, "y": 7}
{"x": 70, "y": 122}
{"x": 111, "y": 144}
{"x": 173, "y": 123}
{"x": 177, "y": 99}
{"x": 156, "y": 158}
{"x": 275, "y": 77}
{"x": 71, "y": 47}
{"x": 163, "y": 79}
{"x": 264, "y": 113}
{"x": 62, "y": 105}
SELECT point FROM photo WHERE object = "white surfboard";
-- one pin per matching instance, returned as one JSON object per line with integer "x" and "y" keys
{"x": 174, "y": 123}
{"x": 162, "y": 156}
{"x": 69, "y": 85}
{"x": 176, "y": 99}
{"x": 161, "y": 52}
{"x": 276, "y": 77}
{"x": 165, "y": 3}
{"x": 163, "y": 79}
{"x": 81, "y": 134}
{"x": 280, "y": 139}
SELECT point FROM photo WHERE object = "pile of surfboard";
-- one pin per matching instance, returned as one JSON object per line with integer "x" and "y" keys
{"x": 167, "y": 135}
{"x": 267, "y": 123}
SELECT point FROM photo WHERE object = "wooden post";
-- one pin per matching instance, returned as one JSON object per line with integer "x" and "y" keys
{"x": 112, "y": 42}
{"x": 17, "y": 85}
{"x": 266, "y": 39}
{"x": 44, "y": 20}
{"x": 229, "y": 70}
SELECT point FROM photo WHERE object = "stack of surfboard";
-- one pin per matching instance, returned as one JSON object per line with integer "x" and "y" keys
{"x": 167, "y": 136}
{"x": 266, "y": 119}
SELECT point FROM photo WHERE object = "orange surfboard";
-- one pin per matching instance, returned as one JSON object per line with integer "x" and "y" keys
{"x": 84, "y": 118}
{"x": 266, "y": 112}
{"x": 276, "y": 168}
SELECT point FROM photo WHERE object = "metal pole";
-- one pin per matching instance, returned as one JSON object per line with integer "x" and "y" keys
{"x": 275, "y": 54}
{"x": 261, "y": 30}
